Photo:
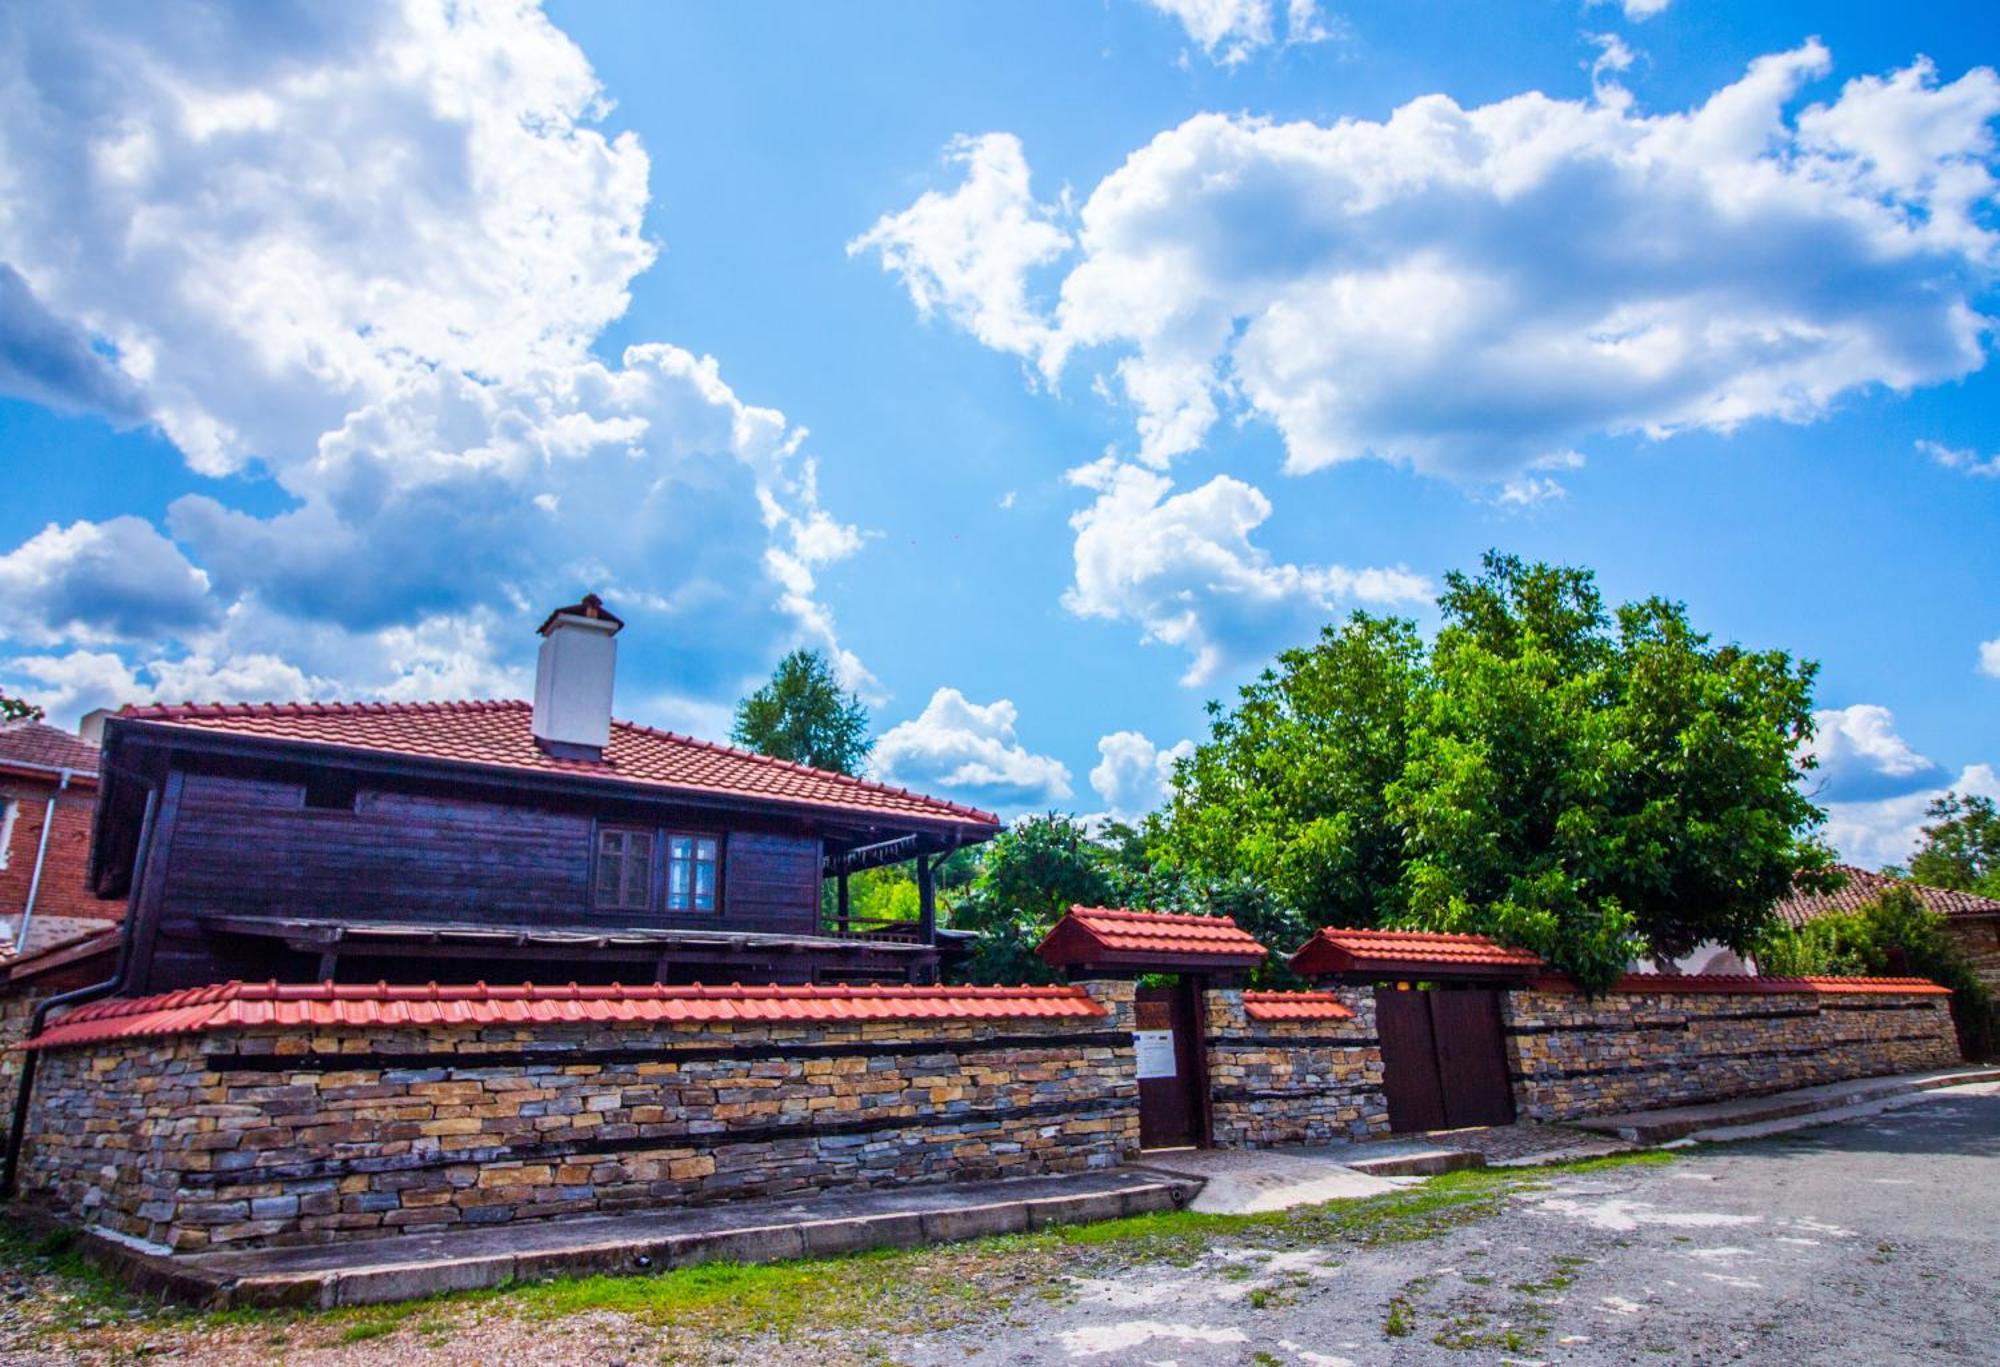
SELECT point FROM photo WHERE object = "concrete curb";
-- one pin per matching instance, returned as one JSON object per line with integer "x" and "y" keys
{"x": 1684, "y": 1122}
{"x": 188, "y": 1280}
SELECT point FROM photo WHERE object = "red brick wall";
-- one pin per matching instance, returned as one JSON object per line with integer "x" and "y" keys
{"x": 63, "y": 891}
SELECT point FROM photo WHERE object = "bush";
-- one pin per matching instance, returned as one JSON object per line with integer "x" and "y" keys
{"x": 1894, "y": 935}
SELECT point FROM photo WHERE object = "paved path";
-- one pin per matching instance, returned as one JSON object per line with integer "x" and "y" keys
{"x": 1871, "y": 1241}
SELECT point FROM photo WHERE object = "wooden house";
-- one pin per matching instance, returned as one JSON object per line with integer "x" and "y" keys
{"x": 497, "y": 842}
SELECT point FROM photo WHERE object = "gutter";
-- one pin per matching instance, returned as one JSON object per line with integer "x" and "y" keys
{"x": 41, "y": 857}
{"x": 17, "y": 1133}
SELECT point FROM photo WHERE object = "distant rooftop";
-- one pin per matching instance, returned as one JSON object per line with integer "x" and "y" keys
{"x": 43, "y": 746}
{"x": 1863, "y": 887}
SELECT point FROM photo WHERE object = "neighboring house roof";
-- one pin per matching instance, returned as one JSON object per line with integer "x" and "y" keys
{"x": 317, "y": 1006}
{"x": 100, "y": 940}
{"x": 38, "y": 745}
{"x": 1863, "y": 887}
{"x": 498, "y": 735}
{"x": 1410, "y": 953}
{"x": 1120, "y": 937}
{"x": 1295, "y": 1006}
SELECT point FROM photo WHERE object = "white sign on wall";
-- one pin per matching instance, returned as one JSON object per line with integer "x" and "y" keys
{"x": 1155, "y": 1050}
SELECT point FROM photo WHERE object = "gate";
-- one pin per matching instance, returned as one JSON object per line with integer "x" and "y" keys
{"x": 1173, "y": 1073}
{"x": 1444, "y": 1060}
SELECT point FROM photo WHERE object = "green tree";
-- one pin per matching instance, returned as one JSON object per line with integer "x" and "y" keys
{"x": 1961, "y": 848}
{"x": 18, "y": 709}
{"x": 1029, "y": 875}
{"x": 1893, "y": 935}
{"x": 802, "y": 715}
{"x": 1590, "y": 785}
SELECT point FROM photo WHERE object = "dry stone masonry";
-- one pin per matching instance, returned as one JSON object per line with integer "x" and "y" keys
{"x": 1298, "y": 1076}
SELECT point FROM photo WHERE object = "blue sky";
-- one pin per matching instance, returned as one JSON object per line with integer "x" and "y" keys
{"x": 1052, "y": 364}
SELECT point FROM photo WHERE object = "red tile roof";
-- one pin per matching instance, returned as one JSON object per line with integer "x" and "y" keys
{"x": 46, "y": 747}
{"x": 1415, "y": 952}
{"x": 1122, "y": 936}
{"x": 1863, "y": 887}
{"x": 1750, "y": 984}
{"x": 1295, "y": 1006}
{"x": 293, "y": 1006}
{"x": 498, "y": 735}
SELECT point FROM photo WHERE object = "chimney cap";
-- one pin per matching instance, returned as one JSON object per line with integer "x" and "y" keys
{"x": 592, "y": 607}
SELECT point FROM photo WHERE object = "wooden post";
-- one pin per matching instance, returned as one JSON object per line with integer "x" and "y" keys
{"x": 926, "y": 901}
{"x": 840, "y": 900}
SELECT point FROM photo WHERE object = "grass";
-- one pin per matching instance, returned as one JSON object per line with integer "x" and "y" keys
{"x": 884, "y": 1292}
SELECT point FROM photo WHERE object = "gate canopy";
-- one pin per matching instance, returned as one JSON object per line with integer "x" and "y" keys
{"x": 1368, "y": 955}
{"x": 1149, "y": 942}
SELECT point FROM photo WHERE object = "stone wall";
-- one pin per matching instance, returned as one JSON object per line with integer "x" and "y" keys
{"x": 1631, "y": 1050}
{"x": 1979, "y": 937}
{"x": 246, "y": 1136}
{"x": 1311, "y": 1081}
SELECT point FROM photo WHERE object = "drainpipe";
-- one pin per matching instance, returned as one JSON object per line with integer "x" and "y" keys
{"x": 17, "y": 1134}
{"x": 41, "y": 855}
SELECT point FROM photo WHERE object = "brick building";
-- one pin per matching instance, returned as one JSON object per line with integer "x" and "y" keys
{"x": 1974, "y": 921}
{"x": 44, "y": 770}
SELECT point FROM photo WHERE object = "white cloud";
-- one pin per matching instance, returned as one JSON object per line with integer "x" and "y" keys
{"x": 83, "y": 680}
{"x": 1230, "y": 32}
{"x": 969, "y": 750}
{"x": 1638, "y": 11}
{"x": 1467, "y": 290}
{"x": 1858, "y": 746}
{"x": 969, "y": 253}
{"x": 365, "y": 250}
{"x": 1183, "y": 567}
{"x": 1989, "y": 658}
{"x": 1889, "y": 830}
{"x": 1963, "y": 459}
{"x": 1134, "y": 776}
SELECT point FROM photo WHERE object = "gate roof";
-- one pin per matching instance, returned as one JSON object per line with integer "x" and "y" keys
{"x": 1370, "y": 954}
{"x": 1149, "y": 941}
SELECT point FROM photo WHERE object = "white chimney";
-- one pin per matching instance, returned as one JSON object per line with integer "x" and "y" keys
{"x": 91, "y": 728}
{"x": 573, "y": 677}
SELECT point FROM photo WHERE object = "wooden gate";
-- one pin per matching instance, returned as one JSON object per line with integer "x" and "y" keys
{"x": 1173, "y": 1072}
{"x": 1444, "y": 1060}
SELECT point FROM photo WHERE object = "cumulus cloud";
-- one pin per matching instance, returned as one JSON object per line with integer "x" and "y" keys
{"x": 364, "y": 251}
{"x": 1861, "y": 754}
{"x": 1184, "y": 568}
{"x": 1963, "y": 459}
{"x": 969, "y": 750}
{"x": 1638, "y": 11}
{"x": 1888, "y": 830}
{"x": 1134, "y": 776}
{"x": 1466, "y": 290}
{"x": 49, "y": 360}
{"x": 1989, "y": 658}
{"x": 1230, "y": 32}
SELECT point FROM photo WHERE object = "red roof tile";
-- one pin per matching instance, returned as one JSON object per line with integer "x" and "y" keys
{"x": 250, "y": 1006}
{"x": 1295, "y": 1006}
{"x": 1414, "y": 952}
{"x": 41, "y": 746}
{"x": 1120, "y": 935}
{"x": 498, "y": 735}
{"x": 1750, "y": 984}
{"x": 1863, "y": 887}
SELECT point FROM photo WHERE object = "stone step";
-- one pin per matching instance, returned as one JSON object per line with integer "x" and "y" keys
{"x": 375, "y": 1271}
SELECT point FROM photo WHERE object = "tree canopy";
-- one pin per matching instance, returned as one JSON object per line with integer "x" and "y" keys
{"x": 803, "y": 715}
{"x": 1961, "y": 847}
{"x": 1592, "y": 785}
{"x": 18, "y": 709}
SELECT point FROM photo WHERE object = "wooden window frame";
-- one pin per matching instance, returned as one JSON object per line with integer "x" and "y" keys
{"x": 598, "y": 831}
{"x": 659, "y": 869}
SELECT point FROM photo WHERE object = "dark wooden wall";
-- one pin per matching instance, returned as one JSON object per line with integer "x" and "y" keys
{"x": 247, "y": 847}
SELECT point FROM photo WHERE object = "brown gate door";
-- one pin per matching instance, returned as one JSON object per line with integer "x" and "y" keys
{"x": 1444, "y": 1061}
{"x": 1472, "y": 1057}
{"x": 1410, "y": 1076}
{"x": 1172, "y": 1079}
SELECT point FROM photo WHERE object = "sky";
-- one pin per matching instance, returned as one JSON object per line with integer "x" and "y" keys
{"x": 1051, "y": 365}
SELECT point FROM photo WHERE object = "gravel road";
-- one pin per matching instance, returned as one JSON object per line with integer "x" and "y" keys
{"x": 1872, "y": 1242}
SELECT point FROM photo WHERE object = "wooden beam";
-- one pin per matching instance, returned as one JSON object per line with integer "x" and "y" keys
{"x": 840, "y": 901}
{"x": 926, "y": 901}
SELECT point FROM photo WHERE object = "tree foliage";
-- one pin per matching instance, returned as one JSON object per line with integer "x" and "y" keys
{"x": 18, "y": 709}
{"x": 1591, "y": 785}
{"x": 1961, "y": 847}
{"x": 1892, "y": 935}
{"x": 802, "y": 715}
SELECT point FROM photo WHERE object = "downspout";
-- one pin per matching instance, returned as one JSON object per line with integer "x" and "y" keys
{"x": 41, "y": 855}
{"x": 17, "y": 1133}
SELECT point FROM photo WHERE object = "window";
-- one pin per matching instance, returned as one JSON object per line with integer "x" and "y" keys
{"x": 330, "y": 790}
{"x": 9, "y": 809}
{"x": 691, "y": 873}
{"x": 624, "y": 876}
